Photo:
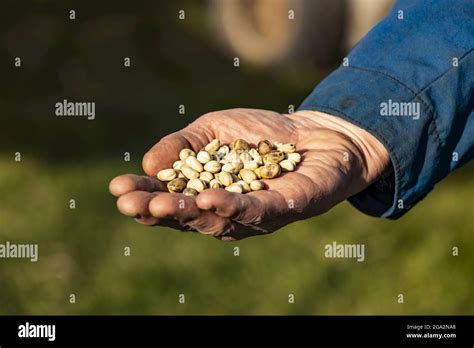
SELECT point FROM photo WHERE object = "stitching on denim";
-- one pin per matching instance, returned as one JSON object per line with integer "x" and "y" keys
{"x": 384, "y": 74}
{"x": 418, "y": 95}
{"x": 445, "y": 73}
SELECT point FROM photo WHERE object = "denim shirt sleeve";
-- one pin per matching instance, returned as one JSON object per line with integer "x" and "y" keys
{"x": 420, "y": 56}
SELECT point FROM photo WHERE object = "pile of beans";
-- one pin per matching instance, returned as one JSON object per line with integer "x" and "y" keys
{"x": 236, "y": 167}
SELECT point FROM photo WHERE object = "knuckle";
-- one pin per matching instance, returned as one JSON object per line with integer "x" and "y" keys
{"x": 204, "y": 200}
{"x": 209, "y": 116}
{"x": 230, "y": 211}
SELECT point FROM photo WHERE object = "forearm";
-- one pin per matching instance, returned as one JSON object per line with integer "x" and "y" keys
{"x": 411, "y": 60}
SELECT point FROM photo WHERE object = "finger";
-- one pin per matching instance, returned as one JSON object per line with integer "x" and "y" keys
{"x": 250, "y": 208}
{"x": 174, "y": 206}
{"x": 153, "y": 221}
{"x": 135, "y": 204}
{"x": 166, "y": 151}
{"x": 130, "y": 182}
{"x": 181, "y": 208}
{"x": 211, "y": 224}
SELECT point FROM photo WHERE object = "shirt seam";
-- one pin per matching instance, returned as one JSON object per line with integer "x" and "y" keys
{"x": 424, "y": 89}
{"x": 467, "y": 53}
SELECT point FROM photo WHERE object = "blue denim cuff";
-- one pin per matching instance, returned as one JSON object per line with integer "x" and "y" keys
{"x": 362, "y": 96}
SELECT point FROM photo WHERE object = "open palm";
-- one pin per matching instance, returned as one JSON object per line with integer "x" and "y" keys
{"x": 335, "y": 165}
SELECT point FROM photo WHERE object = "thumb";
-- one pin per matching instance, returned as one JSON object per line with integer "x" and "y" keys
{"x": 166, "y": 151}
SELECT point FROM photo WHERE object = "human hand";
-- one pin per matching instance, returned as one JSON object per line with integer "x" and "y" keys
{"x": 338, "y": 160}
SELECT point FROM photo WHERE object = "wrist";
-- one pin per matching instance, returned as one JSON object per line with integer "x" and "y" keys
{"x": 373, "y": 157}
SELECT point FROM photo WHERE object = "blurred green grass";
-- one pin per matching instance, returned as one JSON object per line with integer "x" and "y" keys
{"x": 81, "y": 251}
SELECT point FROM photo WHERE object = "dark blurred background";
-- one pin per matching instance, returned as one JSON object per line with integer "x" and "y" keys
{"x": 190, "y": 62}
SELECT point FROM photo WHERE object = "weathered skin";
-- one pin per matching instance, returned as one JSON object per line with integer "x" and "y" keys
{"x": 339, "y": 160}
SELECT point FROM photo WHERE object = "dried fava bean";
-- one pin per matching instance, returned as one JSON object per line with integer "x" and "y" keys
{"x": 196, "y": 184}
{"x": 264, "y": 147}
{"x": 233, "y": 167}
{"x": 245, "y": 186}
{"x": 224, "y": 150}
{"x": 256, "y": 185}
{"x": 255, "y": 156}
{"x": 203, "y": 157}
{"x": 188, "y": 191}
{"x": 240, "y": 145}
{"x": 251, "y": 165}
{"x": 274, "y": 157}
{"x": 234, "y": 188}
{"x": 225, "y": 178}
{"x": 190, "y": 173}
{"x": 193, "y": 163}
{"x": 294, "y": 156}
{"x": 213, "y": 167}
{"x": 216, "y": 156}
{"x": 178, "y": 165}
{"x": 253, "y": 153}
{"x": 185, "y": 153}
{"x": 270, "y": 171}
{"x": 176, "y": 185}
{"x": 247, "y": 175}
{"x": 287, "y": 165}
{"x": 287, "y": 148}
{"x": 232, "y": 157}
{"x": 206, "y": 177}
{"x": 237, "y": 168}
{"x": 166, "y": 174}
{"x": 215, "y": 184}
{"x": 227, "y": 168}
{"x": 213, "y": 146}
{"x": 245, "y": 157}
{"x": 234, "y": 177}
{"x": 259, "y": 160}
